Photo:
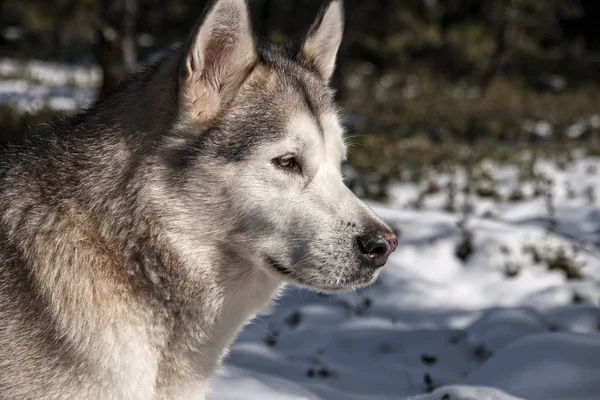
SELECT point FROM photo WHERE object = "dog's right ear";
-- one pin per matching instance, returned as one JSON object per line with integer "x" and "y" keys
{"x": 320, "y": 47}
{"x": 216, "y": 60}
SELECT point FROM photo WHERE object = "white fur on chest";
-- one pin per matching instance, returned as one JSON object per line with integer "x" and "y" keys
{"x": 133, "y": 364}
{"x": 208, "y": 344}
{"x": 240, "y": 303}
{"x": 230, "y": 293}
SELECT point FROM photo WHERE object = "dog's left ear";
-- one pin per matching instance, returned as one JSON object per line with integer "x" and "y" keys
{"x": 216, "y": 59}
{"x": 320, "y": 47}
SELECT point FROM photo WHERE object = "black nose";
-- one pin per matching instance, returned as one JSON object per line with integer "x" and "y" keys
{"x": 377, "y": 246}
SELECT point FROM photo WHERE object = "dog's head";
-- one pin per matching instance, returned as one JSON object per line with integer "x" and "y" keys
{"x": 257, "y": 150}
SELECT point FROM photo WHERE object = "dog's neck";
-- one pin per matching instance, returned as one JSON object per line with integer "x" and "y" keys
{"x": 205, "y": 294}
{"x": 216, "y": 293}
{"x": 208, "y": 293}
{"x": 228, "y": 296}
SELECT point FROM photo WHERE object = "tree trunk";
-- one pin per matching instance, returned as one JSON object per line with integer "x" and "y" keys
{"x": 501, "y": 52}
{"x": 1, "y": 22}
{"x": 265, "y": 17}
{"x": 116, "y": 51}
{"x": 63, "y": 13}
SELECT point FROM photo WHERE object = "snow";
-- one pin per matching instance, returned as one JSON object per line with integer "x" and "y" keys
{"x": 34, "y": 85}
{"x": 433, "y": 323}
{"x": 467, "y": 393}
{"x": 546, "y": 366}
{"x": 543, "y": 129}
{"x": 52, "y": 73}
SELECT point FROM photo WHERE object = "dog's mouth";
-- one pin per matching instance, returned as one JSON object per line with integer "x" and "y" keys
{"x": 354, "y": 281}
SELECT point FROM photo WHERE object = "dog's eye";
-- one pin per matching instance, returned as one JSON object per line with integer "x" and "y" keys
{"x": 288, "y": 162}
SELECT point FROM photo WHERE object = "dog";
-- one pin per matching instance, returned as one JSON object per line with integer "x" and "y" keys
{"x": 138, "y": 237}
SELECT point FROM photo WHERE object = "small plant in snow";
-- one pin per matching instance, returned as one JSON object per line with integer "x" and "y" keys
{"x": 294, "y": 320}
{"x": 482, "y": 174}
{"x": 386, "y": 347}
{"x": 482, "y": 353}
{"x": 467, "y": 207}
{"x": 464, "y": 248}
{"x": 487, "y": 190}
{"x": 488, "y": 214}
{"x": 591, "y": 169}
{"x": 357, "y": 309}
{"x": 577, "y": 298}
{"x": 590, "y": 194}
{"x": 320, "y": 369}
{"x": 516, "y": 195}
{"x": 370, "y": 186}
{"x": 527, "y": 170}
{"x": 363, "y": 307}
{"x": 416, "y": 175}
{"x": 450, "y": 205}
{"x": 563, "y": 162}
{"x": 568, "y": 264}
{"x": 322, "y": 372}
{"x": 272, "y": 338}
{"x": 419, "y": 202}
{"x": 512, "y": 269}
{"x": 536, "y": 257}
{"x": 428, "y": 359}
{"x": 428, "y": 381}
{"x": 542, "y": 185}
{"x": 571, "y": 194}
{"x": 469, "y": 184}
{"x": 432, "y": 187}
{"x": 550, "y": 207}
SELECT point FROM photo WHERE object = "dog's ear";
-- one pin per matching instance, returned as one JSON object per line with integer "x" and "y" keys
{"x": 216, "y": 59}
{"x": 320, "y": 47}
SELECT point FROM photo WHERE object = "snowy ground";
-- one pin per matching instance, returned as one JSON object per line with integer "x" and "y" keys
{"x": 504, "y": 324}
{"x": 33, "y": 85}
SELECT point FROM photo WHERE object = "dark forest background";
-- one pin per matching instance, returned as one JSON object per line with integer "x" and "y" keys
{"x": 416, "y": 78}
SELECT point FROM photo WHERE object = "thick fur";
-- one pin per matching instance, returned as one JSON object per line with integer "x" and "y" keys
{"x": 137, "y": 238}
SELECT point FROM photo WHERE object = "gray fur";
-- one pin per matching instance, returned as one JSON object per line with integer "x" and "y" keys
{"x": 137, "y": 238}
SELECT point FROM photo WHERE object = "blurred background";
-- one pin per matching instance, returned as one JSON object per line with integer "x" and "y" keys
{"x": 416, "y": 78}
